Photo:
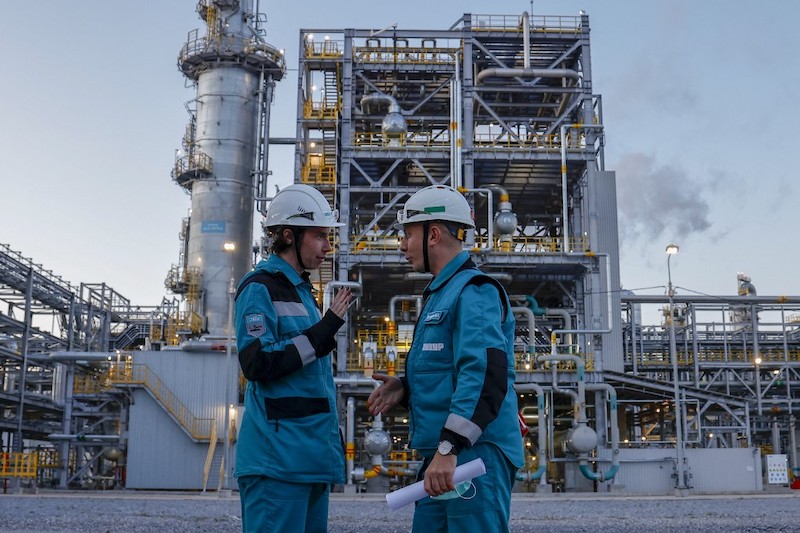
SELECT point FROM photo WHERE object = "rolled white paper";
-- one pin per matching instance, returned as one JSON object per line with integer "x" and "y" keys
{"x": 410, "y": 494}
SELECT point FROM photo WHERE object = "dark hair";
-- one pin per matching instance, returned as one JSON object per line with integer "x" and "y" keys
{"x": 279, "y": 243}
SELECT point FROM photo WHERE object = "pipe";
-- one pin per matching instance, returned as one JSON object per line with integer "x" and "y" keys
{"x": 379, "y": 99}
{"x": 793, "y": 444}
{"x": 202, "y": 346}
{"x": 564, "y": 195}
{"x": 526, "y": 73}
{"x": 542, "y": 437}
{"x": 531, "y": 327}
{"x": 612, "y": 400}
{"x": 580, "y": 410}
{"x": 355, "y": 380}
{"x": 377, "y": 460}
{"x": 82, "y": 438}
{"x": 526, "y": 40}
{"x": 455, "y": 126}
{"x": 328, "y": 292}
{"x": 579, "y": 398}
{"x": 61, "y": 356}
{"x": 534, "y": 305}
{"x": 404, "y": 298}
{"x": 505, "y": 219}
{"x": 490, "y": 215}
{"x": 350, "y": 446}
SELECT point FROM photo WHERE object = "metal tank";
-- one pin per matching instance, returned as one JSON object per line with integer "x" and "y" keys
{"x": 223, "y": 161}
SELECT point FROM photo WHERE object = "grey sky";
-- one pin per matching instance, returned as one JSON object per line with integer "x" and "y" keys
{"x": 699, "y": 101}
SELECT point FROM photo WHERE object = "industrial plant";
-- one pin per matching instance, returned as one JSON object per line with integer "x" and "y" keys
{"x": 502, "y": 108}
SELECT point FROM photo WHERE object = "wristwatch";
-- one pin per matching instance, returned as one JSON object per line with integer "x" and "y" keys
{"x": 446, "y": 448}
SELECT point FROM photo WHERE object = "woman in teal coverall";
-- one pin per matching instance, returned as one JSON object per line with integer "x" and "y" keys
{"x": 459, "y": 381}
{"x": 289, "y": 450}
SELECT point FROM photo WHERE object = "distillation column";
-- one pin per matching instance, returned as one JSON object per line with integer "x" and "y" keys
{"x": 234, "y": 72}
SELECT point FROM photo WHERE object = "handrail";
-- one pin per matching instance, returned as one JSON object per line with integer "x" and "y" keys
{"x": 198, "y": 429}
{"x": 21, "y": 465}
{"x": 539, "y": 23}
{"x": 519, "y": 244}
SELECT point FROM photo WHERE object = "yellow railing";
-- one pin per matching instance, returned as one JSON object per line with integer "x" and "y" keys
{"x": 21, "y": 465}
{"x": 549, "y": 142}
{"x": 139, "y": 374}
{"x": 480, "y": 140}
{"x": 319, "y": 174}
{"x": 413, "y": 139}
{"x": 525, "y": 362}
{"x": 325, "y": 49}
{"x": 519, "y": 244}
{"x": 404, "y": 54}
{"x": 321, "y": 110}
{"x": 197, "y": 45}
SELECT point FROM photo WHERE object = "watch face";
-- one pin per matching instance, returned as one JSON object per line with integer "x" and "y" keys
{"x": 445, "y": 447}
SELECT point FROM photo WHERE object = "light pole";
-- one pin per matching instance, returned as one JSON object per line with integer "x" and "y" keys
{"x": 230, "y": 248}
{"x": 671, "y": 250}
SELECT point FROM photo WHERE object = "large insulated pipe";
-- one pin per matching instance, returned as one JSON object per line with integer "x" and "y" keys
{"x": 327, "y": 294}
{"x": 394, "y": 124}
{"x": 64, "y": 356}
{"x": 505, "y": 221}
{"x": 403, "y": 298}
{"x": 526, "y": 73}
{"x": 526, "y": 40}
{"x": 541, "y": 423}
{"x": 490, "y": 222}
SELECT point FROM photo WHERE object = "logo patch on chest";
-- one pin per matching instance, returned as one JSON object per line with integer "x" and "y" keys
{"x": 255, "y": 324}
{"x": 434, "y": 316}
{"x": 433, "y": 347}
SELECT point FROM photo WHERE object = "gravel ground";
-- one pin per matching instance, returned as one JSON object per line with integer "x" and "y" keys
{"x": 124, "y": 511}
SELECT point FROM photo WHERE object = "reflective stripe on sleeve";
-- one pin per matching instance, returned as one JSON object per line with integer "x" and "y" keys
{"x": 290, "y": 309}
{"x": 462, "y": 426}
{"x": 305, "y": 349}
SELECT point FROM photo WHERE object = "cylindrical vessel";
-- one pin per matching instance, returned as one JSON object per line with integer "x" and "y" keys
{"x": 223, "y": 203}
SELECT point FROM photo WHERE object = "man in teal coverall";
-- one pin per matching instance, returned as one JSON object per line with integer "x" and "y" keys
{"x": 289, "y": 450}
{"x": 459, "y": 381}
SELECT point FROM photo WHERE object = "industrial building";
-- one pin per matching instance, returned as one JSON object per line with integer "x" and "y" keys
{"x": 499, "y": 106}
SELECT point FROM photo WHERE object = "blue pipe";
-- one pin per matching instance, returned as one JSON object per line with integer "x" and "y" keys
{"x": 528, "y": 476}
{"x": 534, "y": 305}
{"x": 599, "y": 476}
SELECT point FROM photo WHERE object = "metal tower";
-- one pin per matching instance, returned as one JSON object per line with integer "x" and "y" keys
{"x": 224, "y": 158}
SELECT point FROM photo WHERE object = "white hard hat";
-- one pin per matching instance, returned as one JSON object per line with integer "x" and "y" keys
{"x": 303, "y": 206}
{"x": 436, "y": 202}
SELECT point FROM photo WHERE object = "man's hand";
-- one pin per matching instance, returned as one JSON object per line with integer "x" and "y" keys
{"x": 387, "y": 395}
{"x": 439, "y": 474}
{"x": 341, "y": 302}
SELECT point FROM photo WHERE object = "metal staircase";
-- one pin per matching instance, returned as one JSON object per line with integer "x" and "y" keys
{"x": 139, "y": 375}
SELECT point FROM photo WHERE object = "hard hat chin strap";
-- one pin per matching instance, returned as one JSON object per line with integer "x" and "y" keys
{"x": 425, "y": 226}
{"x": 298, "y": 234}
